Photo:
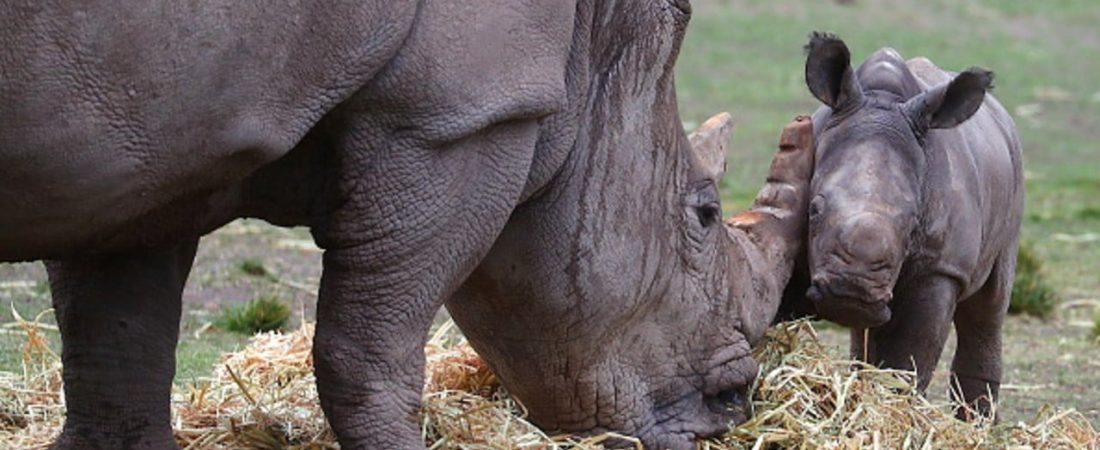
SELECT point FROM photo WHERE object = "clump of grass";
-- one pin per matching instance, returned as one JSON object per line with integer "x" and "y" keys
{"x": 254, "y": 268}
{"x": 1089, "y": 212}
{"x": 1096, "y": 328}
{"x": 1031, "y": 293}
{"x": 267, "y": 313}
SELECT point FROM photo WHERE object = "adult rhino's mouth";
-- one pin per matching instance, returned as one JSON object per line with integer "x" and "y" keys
{"x": 732, "y": 403}
{"x": 709, "y": 409}
{"x": 726, "y": 395}
{"x": 681, "y": 424}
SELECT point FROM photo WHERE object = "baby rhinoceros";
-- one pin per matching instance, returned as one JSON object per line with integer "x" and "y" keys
{"x": 915, "y": 215}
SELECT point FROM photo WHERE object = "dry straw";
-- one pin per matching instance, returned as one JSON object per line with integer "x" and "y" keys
{"x": 264, "y": 397}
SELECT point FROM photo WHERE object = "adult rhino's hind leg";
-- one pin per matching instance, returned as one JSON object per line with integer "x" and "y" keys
{"x": 414, "y": 221}
{"x": 119, "y": 319}
{"x": 976, "y": 369}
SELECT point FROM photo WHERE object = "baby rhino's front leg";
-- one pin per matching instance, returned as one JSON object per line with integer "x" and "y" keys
{"x": 913, "y": 339}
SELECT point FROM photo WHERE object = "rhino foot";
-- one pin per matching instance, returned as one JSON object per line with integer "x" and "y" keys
{"x": 79, "y": 437}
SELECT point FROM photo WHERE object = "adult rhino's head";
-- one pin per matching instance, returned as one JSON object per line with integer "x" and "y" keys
{"x": 870, "y": 170}
{"x": 616, "y": 299}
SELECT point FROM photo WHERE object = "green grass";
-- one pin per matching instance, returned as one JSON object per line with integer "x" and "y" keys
{"x": 1089, "y": 213}
{"x": 253, "y": 267}
{"x": 1096, "y": 328}
{"x": 195, "y": 357}
{"x": 265, "y": 313}
{"x": 1031, "y": 293}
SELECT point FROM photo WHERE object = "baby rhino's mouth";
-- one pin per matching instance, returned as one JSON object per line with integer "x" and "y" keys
{"x": 853, "y": 312}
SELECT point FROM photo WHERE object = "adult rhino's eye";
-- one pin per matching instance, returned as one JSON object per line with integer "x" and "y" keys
{"x": 704, "y": 202}
{"x": 709, "y": 214}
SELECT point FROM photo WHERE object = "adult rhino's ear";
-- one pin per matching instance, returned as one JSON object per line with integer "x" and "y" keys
{"x": 709, "y": 143}
{"x": 950, "y": 104}
{"x": 829, "y": 73}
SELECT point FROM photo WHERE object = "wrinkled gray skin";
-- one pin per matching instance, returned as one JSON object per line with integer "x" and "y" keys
{"x": 915, "y": 216}
{"x": 522, "y": 161}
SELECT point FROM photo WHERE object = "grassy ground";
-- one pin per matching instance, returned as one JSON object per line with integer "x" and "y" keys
{"x": 745, "y": 56}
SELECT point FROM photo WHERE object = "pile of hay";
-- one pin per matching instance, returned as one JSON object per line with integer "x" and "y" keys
{"x": 804, "y": 399}
{"x": 264, "y": 397}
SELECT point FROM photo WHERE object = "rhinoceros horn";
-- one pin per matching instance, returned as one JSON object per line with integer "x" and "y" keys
{"x": 773, "y": 232}
{"x": 709, "y": 142}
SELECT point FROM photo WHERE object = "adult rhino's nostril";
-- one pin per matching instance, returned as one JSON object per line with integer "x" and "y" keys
{"x": 730, "y": 401}
{"x": 732, "y": 398}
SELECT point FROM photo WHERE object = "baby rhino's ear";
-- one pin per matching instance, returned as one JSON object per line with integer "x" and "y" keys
{"x": 709, "y": 142}
{"x": 829, "y": 72}
{"x": 950, "y": 104}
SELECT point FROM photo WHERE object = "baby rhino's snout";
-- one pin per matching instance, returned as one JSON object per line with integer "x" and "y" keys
{"x": 853, "y": 286}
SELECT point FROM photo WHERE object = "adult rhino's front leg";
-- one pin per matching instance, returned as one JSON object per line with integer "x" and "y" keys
{"x": 415, "y": 219}
{"x": 119, "y": 319}
{"x": 773, "y": 232}
{"x": 428, "y": 161}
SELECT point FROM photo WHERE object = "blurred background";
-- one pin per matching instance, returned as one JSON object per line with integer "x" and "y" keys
{"x": 745, "y": 57}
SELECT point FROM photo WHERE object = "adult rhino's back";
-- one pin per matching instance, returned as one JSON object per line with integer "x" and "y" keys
{"x": 110, "y": 112}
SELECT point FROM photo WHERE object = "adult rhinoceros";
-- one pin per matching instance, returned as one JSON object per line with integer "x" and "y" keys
{"x": 522, "y": 161}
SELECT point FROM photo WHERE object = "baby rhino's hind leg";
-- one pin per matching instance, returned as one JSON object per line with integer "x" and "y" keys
{"x": 976, "y": 369}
